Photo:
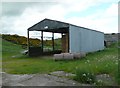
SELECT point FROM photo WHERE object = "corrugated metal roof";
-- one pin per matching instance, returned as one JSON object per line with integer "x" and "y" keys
{"x": 49, "y": 25}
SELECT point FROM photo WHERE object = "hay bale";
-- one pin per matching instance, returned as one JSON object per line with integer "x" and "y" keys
{"x": 68, "y": 56}
{"x": 83, "y": 54}
{"x": 58, "y": 57}
{"x": 79, "y": 55}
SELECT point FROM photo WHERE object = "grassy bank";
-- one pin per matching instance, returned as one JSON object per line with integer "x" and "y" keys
{"x": 102, "y": 62}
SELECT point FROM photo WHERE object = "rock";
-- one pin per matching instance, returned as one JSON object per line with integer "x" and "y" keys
{"x": 40, "y": 80}
{"x": 25, "y": 52}
{"x": 10, "y": 79}
{"x": 62, "y": 73}
{"x": 105, "y": 79}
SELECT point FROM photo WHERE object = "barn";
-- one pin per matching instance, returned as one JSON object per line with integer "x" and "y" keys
{"x": 75, "y": 39}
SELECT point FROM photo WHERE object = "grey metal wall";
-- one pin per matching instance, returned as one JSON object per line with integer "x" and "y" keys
{"x": 84, "y": 40}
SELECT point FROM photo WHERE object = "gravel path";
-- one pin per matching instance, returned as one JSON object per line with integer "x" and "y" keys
{"x": 38, "y": 80}
{"x": 58, "y": 78}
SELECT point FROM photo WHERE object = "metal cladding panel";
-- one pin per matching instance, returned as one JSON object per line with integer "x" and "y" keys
{"x": 74, "y": 39}
{"x": 85, "y": 40}
{"x": 91, "y": 40}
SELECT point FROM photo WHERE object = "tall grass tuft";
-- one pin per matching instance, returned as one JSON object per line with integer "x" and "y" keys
{"x": 84, "y": 76}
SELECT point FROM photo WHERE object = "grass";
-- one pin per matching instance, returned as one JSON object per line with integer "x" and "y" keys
{"x": 102, "y": 62}
{"x": 84, "y": 76}
{"x": 10, "y": 49}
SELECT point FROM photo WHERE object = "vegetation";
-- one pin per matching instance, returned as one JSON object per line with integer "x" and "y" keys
{"x": 21, "y": 40}
{"x": 84, "y": 76}
{"x": 101, "y": 62}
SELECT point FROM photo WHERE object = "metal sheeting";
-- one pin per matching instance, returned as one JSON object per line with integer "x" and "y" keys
{"x": 74, "y": 39}
{"x": 85, "y": 40}
{"x": 80, "y": 39}
{"x": 49, "y": 25}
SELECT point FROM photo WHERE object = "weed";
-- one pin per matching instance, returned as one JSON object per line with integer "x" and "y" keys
{"x": 84, "y": 76}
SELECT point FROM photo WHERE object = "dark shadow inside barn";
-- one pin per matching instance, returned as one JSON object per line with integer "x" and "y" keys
{"x": 54, "y": 28}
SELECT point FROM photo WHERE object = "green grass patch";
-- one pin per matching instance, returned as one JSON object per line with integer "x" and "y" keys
{"x": 102, "y": 62}
{"x": 85, "y": 76}
{"x": 10, "y": 49}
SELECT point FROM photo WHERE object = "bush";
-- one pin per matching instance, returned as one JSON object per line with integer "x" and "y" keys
{"x": 84, "y": 76}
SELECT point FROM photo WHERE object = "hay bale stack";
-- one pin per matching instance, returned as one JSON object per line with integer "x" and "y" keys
{"x": 63, "y": 56}
{"x": 83, "y": 54}
{"x": 58, "y": 56}
{"x": 68, "y": 56}
{"x": 79, "y": 55}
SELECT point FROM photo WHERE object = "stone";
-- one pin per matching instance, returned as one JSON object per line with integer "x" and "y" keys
{"x": 38, "y": 80}
{"x": 61, "y": 73}
{"x": 106, "y": 79}
{"x": 25, "y": 52}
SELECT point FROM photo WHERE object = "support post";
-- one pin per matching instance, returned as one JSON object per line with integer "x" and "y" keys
{"x": 68, "y": 42}
{"x": 28, "y": 42}
{"x": 42, "y": 40}
{"x": 53, "y": 41}
{"x": 62, "y": 42}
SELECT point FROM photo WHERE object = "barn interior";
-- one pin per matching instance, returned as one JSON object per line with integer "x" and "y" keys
{"x": 37, "y": 51}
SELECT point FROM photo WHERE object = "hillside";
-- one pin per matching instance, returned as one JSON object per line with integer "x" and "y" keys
{"x": 10, "y": 49}
{"x": 21, "y": 40}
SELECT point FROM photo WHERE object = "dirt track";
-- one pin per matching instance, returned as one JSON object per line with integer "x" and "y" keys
{"x": 36, "y": 80}
{"x": 58, "y": 78}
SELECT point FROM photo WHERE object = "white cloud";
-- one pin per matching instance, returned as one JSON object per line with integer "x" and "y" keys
{"x": 112, "y": 10}
{"x": 103, "y": 20}
{"x": 55, "y": 12}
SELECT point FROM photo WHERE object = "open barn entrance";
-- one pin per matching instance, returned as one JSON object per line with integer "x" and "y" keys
{"x": 47, "y": 43}
{"x": 52, "y": 42}
{"x": 57, "y": 45}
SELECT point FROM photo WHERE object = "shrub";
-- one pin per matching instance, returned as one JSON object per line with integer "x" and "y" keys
{"x": 84, "y": 76}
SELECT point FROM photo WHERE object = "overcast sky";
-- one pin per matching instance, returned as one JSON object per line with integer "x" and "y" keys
{"x": 18, "y": 16}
